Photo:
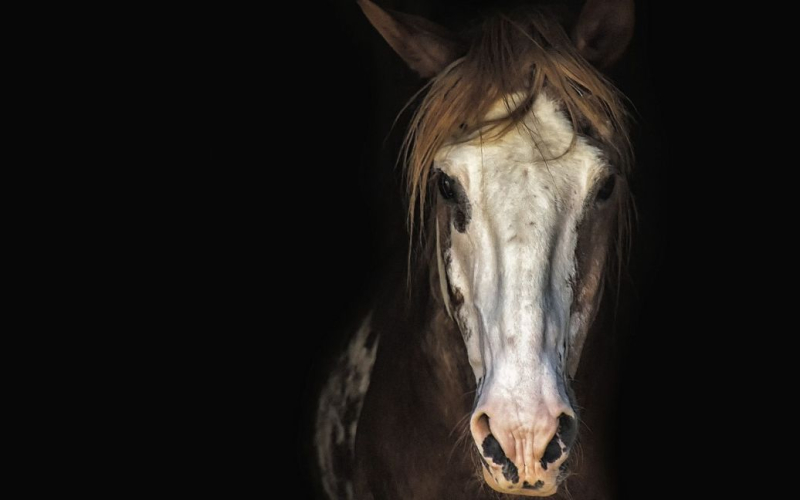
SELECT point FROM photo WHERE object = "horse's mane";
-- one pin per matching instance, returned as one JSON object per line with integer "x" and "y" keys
{"x": 525, "y": 53}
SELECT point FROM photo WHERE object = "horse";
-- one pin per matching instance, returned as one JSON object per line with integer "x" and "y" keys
{"x": 463, "y": 379}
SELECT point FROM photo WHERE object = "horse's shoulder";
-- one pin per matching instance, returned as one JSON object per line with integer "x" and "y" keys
{"x": 339, "y": 409}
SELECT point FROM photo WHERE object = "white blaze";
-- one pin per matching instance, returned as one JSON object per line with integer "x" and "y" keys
{"x": 515, "y": 262}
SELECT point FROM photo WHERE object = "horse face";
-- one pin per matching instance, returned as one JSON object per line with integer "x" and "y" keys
{"x": 523, "y": 231}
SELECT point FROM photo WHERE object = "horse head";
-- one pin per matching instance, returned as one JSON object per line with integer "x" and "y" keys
{"x": 517, "y": 159}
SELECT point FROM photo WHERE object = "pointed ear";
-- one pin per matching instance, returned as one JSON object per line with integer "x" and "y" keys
{"x": 425, "y": 46}
{"x": 603, "y": 30}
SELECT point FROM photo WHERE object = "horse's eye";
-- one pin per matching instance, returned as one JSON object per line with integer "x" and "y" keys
{"x": 446, "y": 187}
{"x": 607, "y": 188}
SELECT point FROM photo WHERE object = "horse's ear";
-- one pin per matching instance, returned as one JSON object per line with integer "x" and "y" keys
{"x": 425, "y": 46}
{"x": 603, "y": 30}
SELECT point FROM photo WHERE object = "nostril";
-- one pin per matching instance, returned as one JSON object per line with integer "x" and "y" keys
{"x": 494, "y": 452}
{"x": 483, "y": 422}
{"x": 480, "y": 427}
{"x": 563, "y": 439}
{"x": 552, "y": 452}
{"x": 490, "y": 449}
{"x": 567, "y": 429}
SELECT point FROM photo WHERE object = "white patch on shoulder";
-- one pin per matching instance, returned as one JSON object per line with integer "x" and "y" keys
{"x": 339, "y": 410}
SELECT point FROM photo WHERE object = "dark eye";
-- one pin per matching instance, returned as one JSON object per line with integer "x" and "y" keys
{"x": 446, "y": 187}
{"x": 607, "y": 189}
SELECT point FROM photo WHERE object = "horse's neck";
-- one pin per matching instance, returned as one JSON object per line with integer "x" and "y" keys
{"x": 418, "y": 404}
{"x": 425, "y": 351}
{"x": 595, "y": 388}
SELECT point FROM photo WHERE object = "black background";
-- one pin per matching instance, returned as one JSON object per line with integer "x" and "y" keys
{"x": 308, "y": 210}
{"x": 347, "y": 186}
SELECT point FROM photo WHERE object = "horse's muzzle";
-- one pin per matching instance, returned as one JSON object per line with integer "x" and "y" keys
{"x": 524, "y": 457}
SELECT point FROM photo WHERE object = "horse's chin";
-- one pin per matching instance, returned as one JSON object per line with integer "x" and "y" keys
{"x": 517, "y": 489}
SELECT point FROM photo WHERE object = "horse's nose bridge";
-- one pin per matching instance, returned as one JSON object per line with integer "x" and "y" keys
{"x": 529, "y": 382}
